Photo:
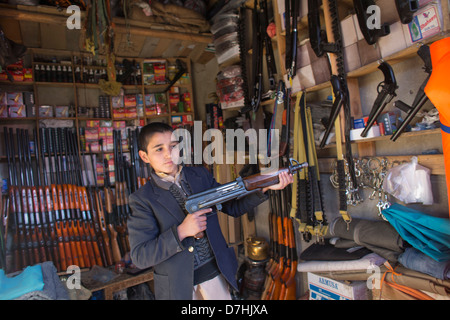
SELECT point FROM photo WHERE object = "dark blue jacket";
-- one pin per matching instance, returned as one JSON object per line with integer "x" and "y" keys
{"x": 152, "y": 231}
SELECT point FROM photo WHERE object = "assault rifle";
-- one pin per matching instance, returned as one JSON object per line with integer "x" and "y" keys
{"x": 421, "y": 97}
{"x": 317, "y": 36}
{"x": 339, "y": 100}
{"x": 385, "y": 95}
{"x": 237, "y": 189}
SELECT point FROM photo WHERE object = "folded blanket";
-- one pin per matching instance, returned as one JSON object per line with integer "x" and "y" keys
{"x": 368, "y": 261}
{"x": 377, "y": 236}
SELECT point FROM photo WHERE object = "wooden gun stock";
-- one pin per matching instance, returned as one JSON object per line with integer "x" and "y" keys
{"x": 90, "y": 227}
{"x": 113, "y": 233}
{"x": 85, "y": 228}
{"x": 103, "y": 229}
{"x": 73, "y": 225}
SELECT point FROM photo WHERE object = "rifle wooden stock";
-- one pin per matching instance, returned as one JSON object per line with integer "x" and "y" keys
{"x": 276, "y": 275}
{"x": 124, "y": 224}
{"x": 63, "y": 227}
{"x": 119, "y": 227}
{"x": 84, "y": 226}
{"x": 103, "y": 229}
{"x": 291, "y": 284}
{"x": 67, "y": 225}
{"x": 90, "y": 228}
{"x": 287, "y": 269}
{"x": 115, "y": 250}
{"x": 96, "y": 224}
{"x": 73, "y": 226}
{"x": 79, "y": 227}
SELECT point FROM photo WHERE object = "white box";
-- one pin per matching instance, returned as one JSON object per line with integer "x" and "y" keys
{"x": 426, "y": 23}
{"x": 322, "y": 288}
{"x": 355, "y": 134}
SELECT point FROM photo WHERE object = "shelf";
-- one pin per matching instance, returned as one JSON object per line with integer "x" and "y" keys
{"x": 387, "y": 137}
{"x": 55, "y": 84}
{"x": 16, "y": 83}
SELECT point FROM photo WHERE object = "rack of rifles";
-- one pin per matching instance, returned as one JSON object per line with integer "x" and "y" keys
{"x": 55, "y": 211}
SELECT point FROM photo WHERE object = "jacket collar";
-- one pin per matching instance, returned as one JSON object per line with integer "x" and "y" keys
{"x": 161, "y": 195}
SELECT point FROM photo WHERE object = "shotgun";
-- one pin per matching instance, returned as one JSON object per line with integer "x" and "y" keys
{"x": 58, "y": 202}
{"x": 44, "y": 217}
{"x": 317, "y": 36}
{"x": 386, "y": 92}
{"x": 104, "y": 236}
{"x": 35, "y": 207}
{"x": 119, "y": 191}
{"x": 91, "y": 224}
{"x": 26, "y": 198}
{"x": 270, "y": 266}
{"x": 421, "y": 97}
{"x": 238, "y": 188}
{"x": 85, "y": 238}
{"x": 74, "y": 203}
{"x": 19, "y": 259}
{"x": 110, "y": 209}
{"x": 52, "y": 198}
{"x": 275, "y": 288}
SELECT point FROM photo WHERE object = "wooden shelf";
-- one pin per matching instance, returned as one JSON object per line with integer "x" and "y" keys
{"x": 404, "y": 135}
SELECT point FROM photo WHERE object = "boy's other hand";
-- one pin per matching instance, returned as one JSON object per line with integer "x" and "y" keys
{"x": 285, "y": 179}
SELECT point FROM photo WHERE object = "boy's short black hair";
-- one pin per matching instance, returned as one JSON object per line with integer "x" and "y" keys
{"x": 149, "y": 130}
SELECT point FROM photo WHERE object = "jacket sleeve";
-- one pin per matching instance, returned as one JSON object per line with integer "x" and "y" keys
{"x": 238, "y": 207}
{"x": 149, "y": 245}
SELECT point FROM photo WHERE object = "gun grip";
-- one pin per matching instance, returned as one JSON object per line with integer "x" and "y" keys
{"x": 406, "y": 9}
{"x": 402, "y": 106}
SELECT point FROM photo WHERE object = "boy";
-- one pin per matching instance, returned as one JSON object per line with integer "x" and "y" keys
{"x": 189, "y": 254}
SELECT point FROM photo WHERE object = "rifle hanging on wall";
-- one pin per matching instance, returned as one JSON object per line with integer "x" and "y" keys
{"x": 291, "y": 17}
{"x": 339, "y": 82}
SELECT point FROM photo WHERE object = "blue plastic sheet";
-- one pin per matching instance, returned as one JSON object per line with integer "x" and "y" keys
{"x": 426, "y": 233}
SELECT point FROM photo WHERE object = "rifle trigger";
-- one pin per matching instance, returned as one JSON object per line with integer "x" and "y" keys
{"x": 219, "y": 207}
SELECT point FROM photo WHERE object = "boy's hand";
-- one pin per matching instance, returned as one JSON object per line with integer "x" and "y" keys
{"x": 193, "y": 224}
{"x": 285, "y": 179}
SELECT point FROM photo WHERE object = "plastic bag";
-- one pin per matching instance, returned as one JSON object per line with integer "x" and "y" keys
{"x": 409, "y": 183}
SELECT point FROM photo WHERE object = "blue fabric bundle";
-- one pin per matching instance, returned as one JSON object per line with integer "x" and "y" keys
{"x": 430, "y": 235}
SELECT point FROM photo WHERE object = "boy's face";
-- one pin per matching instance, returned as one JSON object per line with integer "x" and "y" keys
{"x": 159, "y": 153}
